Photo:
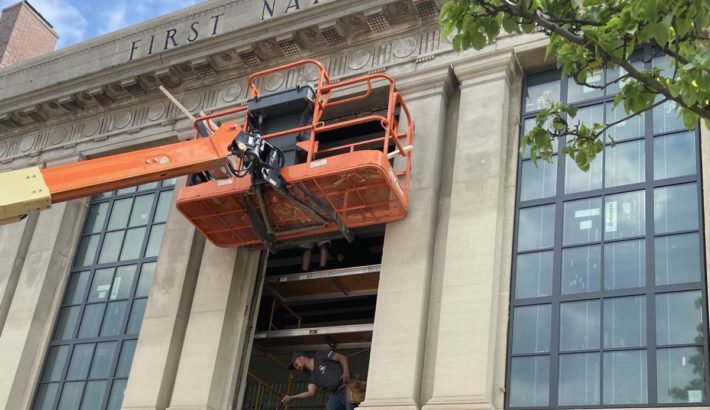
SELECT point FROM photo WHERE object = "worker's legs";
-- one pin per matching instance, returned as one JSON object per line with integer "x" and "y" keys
{"x": 324, "y": 254}
{"x": 338, "y": 401}
{"x": 306, "y": 261}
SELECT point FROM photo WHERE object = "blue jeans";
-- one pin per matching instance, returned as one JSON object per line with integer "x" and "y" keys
{"x": 338, "y": 401}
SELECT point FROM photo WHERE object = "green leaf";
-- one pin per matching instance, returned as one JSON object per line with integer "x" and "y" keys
{"x": 456, "y": 43}
{"x": 510, "y": 24}
{"x": 478, "y": 40}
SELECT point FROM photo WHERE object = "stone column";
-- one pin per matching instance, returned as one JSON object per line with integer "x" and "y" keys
{"x": 14, "y": 242}
{"x": 155, "y": 363}
{"x": 216, "y": 330}
{"x": 39, "y": 290}
{"x": 400, "y": 317}
{"x": 478, "y": 239}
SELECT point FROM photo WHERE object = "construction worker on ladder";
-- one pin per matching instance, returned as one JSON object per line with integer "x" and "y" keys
{"x": 326, "y": 370}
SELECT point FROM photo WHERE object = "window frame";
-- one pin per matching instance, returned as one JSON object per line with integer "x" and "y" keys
{"x": 649, "y": 292}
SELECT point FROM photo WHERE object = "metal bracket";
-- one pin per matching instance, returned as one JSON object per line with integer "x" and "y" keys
{"x": 347, "y": 233}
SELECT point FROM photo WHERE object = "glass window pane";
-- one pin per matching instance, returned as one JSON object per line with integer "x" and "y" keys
{"x": 115, "y": 315}
{"x": 666, "y": 118}
{"x": 95, "y": 219}
{"x": 156, "y": 239}
{"x": 126, "y": 358}
{"x": 80, "y": 361}
{"x": 103, "y": 360}
{"x": 579, "y": 379}
{"x": 54, "y": 364}
{"x": 681, "y": 375}
{"x": 71, "y": 396}
{"x": 536, "y": 227}
{"x": 581, "y": 269}
{"x": 533, "y": 275}
{"x": 676, "y": 208}
{"x": 91, "y": 321}
{"x": 46, "y": 394}
{"x": 87, "y": 251}
{"x": 679, "y": 318}
{"x": 625, "y": 215}
{"x": 76, "y": 288}
{"x": 146, "y": 279}
{"x": 578, "y": 92}
{"x": 577, "y": 180}
{"x": 66, "y": 324}
{"x": 625, "y": 378}
{"x": 141, "y": 210}
{"x": 677, "y": 259}
{"x": 538, "y": 181}
{"x": 111, "y": 247}
{"x": 630, "y": 128}
{"x": 94, "y": 395}
{"x": 625, "y": 322}
{"x": 101, "y": 285}
{"x": 625, "y": 264}
{"x": 149, "y": 185}
{"x": 529, "y": 381}
{"x": 531, "y": 329}
{"x": 123, "y": 282}
{"x": 540, "y": 94}
{"x": 625, "y": 164}
{"x": 674, "y": 155}
{"x": 164, "y": 203}
{"x": 126, "y": 190}
{"x": 527, "y": 126}
{"x": 133, "y": 244}
{"x": 136, "y": 318}
{"x": 120, "y": 213}
{"x": 579, "y": 325}
{"x": 582, "y": 221}
{"x": 169, "y": 182}
{"x": 116, "y": 398}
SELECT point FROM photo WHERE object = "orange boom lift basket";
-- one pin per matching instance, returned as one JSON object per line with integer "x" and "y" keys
{"x": 338, "y": 175}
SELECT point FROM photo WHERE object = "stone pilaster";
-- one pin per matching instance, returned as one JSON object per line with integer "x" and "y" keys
{"x": 14, "y": 242}
{"x": 217, "y": 330}
{"x": 39, "y": 289}
{"x": 465, "y": 345}
{"x": 402, "y": 302}
{"x": 157, "y": 354}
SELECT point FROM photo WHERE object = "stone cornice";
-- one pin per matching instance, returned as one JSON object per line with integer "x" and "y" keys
{"x": 428, "y": 81}
{"x": 486, "y": 67}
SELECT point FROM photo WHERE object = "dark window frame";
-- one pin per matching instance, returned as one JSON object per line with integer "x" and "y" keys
{"x": 649, "y": 291}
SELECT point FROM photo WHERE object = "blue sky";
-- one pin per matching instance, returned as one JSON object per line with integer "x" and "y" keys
{"x": 79, "y": 20}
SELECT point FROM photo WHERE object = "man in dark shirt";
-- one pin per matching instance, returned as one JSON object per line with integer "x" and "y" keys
{"x": 326, "y": 370}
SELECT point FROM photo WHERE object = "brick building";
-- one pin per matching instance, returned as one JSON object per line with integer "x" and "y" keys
{"x": 24, "y": 34}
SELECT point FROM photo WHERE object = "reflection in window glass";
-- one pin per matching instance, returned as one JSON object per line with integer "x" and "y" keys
{"x": 578, "y": 92}
{"x": 94, "y": 395}
{"x": 679, "y": 318}
{"x": 80, "y": 362}
{"x": 136, "y": 318}
{"x": 164, "y": 202}
{"x": 625, "y": 264}
{"x": 530, "y": 381}
{"x": 76, "y": 288}
{"x": 114, "y": 319}
{"x": 579, "y": 325}
{"x": 46, "y": 394}
{"x": 54, "y": 365}
{"x": 675, "y": 208}
{"x": 146, "y": 279}
{"x": 66, "y": 323}
{"x": 666, "y": 118}
{"x": 156, "y": 238}
{"x": 625, "y": 380}
{"x": 674, "y": 155}
{"x": 625, "y": 322}
{"x": 116, "y": 398}
{"x": 627, "y": 129}
{"x": 579, "y": 379}
{"x": 126, "y": 358}
{"x": 101, "y": 284}
{"x": 87, "y": 250}
{"x": 71, "y": 396}
{"x": 103, "y": 359}
{"x": 541, "y": 96}
{"x": 624, "y": 215}
{"x": 536, "y": 227}
{"x": 681, "y": 375}
{"x": 582, "y": 221}
{"x": 581, "y": 269}
{"x": 111, "y": 247}
{"x": 123, "y": 282}
{"x": 677, "y": 259}
{"x": 95, "y": 219}
{"x": 91, "y": 321}
{"x": 533, "y": 275}
{"x": 141, "y": 210}
{"x": 538, "y": 181}
{"x": 577, "y": 180}
{"x": 120, "y": 213}
{"x": 625, "y": 164}
{"x": 531, "y": 329}
{"x": 133, "y": 244}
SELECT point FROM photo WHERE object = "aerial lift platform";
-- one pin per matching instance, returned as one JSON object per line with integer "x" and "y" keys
{"x": 287, "y": 174}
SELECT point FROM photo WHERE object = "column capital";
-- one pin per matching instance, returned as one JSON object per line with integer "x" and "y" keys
{"x": 491, "y": 66}
{"x": 438, "y": 80}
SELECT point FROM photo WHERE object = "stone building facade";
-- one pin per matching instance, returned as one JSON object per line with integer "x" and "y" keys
{"x": 442, "y": 335}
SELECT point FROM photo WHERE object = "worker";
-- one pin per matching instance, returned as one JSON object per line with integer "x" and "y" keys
{"x": 308, "y": 251}
{"x": 326, "y": 370}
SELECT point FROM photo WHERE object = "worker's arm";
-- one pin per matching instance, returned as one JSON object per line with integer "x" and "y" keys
{"x": 343, "y": 360}
{"x": 306, "y": 394}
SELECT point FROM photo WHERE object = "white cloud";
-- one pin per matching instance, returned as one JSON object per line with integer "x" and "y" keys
{"x": 67, "y": 20}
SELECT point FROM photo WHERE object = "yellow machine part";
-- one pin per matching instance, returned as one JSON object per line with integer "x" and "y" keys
{"x": 22, "y": 192}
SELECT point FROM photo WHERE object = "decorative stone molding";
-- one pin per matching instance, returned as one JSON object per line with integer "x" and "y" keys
{"x": 377, "y": 20}
{"x": 332, "y": 32}
{"x": 288, "y": 45}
